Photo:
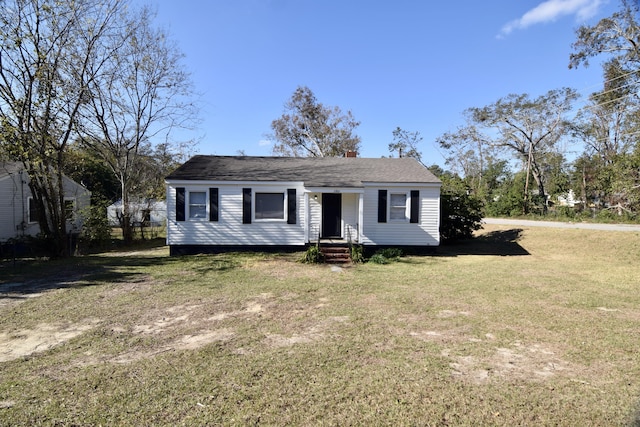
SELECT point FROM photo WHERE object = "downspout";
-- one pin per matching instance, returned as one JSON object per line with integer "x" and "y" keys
{"x": 13, "y": 202}
{"x": 23, "y": 224}
{"x": 167, "y": 189}
{"x": 307, "y": 222}
{"x": 360, "y": 224}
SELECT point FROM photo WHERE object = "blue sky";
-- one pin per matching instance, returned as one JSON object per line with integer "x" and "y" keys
{"x": 408, "y": 63}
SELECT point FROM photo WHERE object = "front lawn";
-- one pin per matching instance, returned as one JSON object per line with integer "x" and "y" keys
{"x": 519, "y": 327}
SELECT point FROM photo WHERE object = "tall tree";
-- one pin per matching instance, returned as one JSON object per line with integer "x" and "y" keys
{"x": 140, "y": 91}
{"x": 308, "y": 128}
{"x": 405, "y": 143}
{"x": 617, "y": 36}
{"x": 609, "y": 125}
{"x": 46, "y": 48}
{"x": 530, "y": 129}
{"x": 468, "y": 150}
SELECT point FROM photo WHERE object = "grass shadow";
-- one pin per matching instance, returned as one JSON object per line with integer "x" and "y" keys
{"x": 33, "y": 276}
{"x": 497, "y": 243}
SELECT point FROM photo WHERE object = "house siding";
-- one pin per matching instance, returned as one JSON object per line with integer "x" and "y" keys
{"x": 315, "y": 215}
{"x": 230, "y": 230}
{"x": 402, "y": 233}
{"x": 364, "y": 186}
{"x": 158, "y": 212}
{"x": 11, "y": 210}
{"x": 14, "y": 205}
{"x": 350, "y": 216}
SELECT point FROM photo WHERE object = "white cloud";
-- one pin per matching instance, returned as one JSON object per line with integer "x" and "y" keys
{"x": 551, "y": 10}
{"x": 264, "y": 142}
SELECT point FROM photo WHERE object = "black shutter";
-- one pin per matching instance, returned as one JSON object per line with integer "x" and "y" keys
{"x": 382, "y": 205}
{"x": 180, "y": 204}
{"x": 291, "y": 206}
{"x": 213, "y": 204}
{"x": 246, "y": 206}
{"x": 415, "y": 206}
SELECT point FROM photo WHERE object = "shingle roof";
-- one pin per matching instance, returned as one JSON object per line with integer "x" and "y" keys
{"x": 313, "y": 171}
{"x": 10, "y": 168}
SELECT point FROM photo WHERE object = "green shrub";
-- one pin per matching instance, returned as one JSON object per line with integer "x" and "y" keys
{"x": 378, "y": 259}
{"x": 385, "y": 256}
{"x": 313, "y": 255}
{"x": 566, "y": 212}
{"x": 391, "y": 253}
{"x": 96, "y": 231}
{"x": 460, "y": 216}
{"x": 357, "y": 254}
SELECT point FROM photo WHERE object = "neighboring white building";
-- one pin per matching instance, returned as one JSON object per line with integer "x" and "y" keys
{"x": 220, "y": 202}
{"x": 568, "y": 200}
{"x": 17, "y": 210}
{"x": 151, "y": 212}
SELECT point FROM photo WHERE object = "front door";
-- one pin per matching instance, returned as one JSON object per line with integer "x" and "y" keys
{"x": 331, "y": 215}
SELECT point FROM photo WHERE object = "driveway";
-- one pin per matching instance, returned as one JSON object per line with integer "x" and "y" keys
{"x": 558, "y": 224}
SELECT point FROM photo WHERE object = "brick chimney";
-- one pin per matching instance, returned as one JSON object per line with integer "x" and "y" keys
{"x": 351, "y": 153}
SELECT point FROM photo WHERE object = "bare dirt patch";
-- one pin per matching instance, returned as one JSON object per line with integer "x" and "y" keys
{"x": 314, "y": 332}
{"x": 186, "y": 342}
{"x": 44, "y": 337}
{"x": 142, "y": 284}
{"x": 533, "y": 362}
{"x": 476, "y": 359}
{"x": 187, "y": 326}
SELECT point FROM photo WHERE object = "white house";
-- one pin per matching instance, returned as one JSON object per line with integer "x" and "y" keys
{"x": 17, "y": 210}
{"x": 568, "y": 199}
{"x": 150, "y": 212}
{"x": 219, "y": 203}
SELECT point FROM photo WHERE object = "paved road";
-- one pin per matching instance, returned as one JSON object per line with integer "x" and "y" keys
{"x": 554, "y": 224}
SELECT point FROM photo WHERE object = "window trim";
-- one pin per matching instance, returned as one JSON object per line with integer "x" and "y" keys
{"x": 407, "y": 206}
{"x": 254, "y": 209}
{"x": 31, "y": 201}
{"x": 74, "y": 204}
{"x": 189, "y": 205}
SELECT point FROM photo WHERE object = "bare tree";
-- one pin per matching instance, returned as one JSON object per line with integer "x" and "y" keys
{"x": 46, "y": 48}
{"x": 308, "y": 128}
{"x": 617, "y": 35}
{"x": 406, "y": 143}
{"x": 467, "y": 147}
{"x": 527, "y": 129}
{"x": 610, "y": 124}
{"x": 140, "y": 91}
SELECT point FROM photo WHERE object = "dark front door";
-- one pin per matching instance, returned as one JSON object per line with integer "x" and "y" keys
{"x": 331, "y": 214}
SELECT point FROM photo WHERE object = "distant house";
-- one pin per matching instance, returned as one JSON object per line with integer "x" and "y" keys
{"x": 568, "y": 199}
{"x": 151, "y": 212}
{"x": 219, "y": 202}
{"x": 18, "y": 214}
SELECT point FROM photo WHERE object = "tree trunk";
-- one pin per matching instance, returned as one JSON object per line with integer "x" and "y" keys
{"x": 127, "y": 229}
{"x": 537, "y": 176}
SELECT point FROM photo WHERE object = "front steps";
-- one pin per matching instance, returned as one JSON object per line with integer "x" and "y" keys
{"x": 336, "y": 254}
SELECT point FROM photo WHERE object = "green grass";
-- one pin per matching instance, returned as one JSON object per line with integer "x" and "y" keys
{"x": 519, "y": 327}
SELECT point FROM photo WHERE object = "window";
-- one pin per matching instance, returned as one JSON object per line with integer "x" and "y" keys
{"x": 269, "y": 206}
{"x": 34, "y": 213}
{"x": 398, "y": 206}
{"x": 197, "y": 205}
{"x": 69, "y": 209}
